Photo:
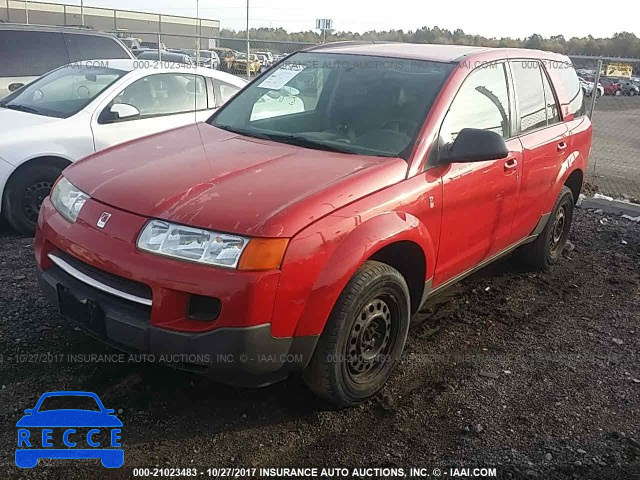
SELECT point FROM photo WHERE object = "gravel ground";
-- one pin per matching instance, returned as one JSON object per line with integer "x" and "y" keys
{"x": 537, "y": 375}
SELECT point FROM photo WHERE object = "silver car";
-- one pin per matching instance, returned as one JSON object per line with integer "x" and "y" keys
{"x": 28, "y": 51}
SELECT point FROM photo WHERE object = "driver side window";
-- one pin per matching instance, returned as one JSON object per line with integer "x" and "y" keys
{"x": 482, "y": 102}
{"x": 165, "y": 94}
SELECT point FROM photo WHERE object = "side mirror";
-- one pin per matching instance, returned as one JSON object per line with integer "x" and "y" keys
{"x": 109, "y": 411}
{"x": 15, "y": 86}
{"x": 475, "y": 145}
{"x": 124, "y": 110}
{"x": 29, "y": 411}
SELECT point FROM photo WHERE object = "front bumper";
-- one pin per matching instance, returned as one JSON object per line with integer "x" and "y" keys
{"x": 237, "y": 348}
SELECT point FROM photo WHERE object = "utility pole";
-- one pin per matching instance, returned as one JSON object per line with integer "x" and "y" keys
{"x": 198, "y": 32}
{"x": 248, "y": 45}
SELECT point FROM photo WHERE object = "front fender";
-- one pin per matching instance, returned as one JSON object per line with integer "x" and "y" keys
{"x": 321, "y": 260}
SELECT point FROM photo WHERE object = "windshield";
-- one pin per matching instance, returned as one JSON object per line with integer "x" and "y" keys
{"x": 63, "y": 92}
{"x": 349, "y": 103}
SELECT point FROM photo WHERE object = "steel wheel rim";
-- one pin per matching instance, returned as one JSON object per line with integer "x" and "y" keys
{"x": 559, "y": 226}
{"x": 33, "y": 198}
{"x": 371, "y": 339}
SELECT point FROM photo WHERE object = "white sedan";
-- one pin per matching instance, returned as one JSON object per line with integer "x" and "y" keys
{"x": 79, "y": 109}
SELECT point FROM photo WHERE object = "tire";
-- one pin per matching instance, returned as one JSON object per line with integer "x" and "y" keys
{"x": 364, "y": 337}
{"x": 24, "y": 194}
{"x": 547, "y": 249}
{"x": 598, "y": 94}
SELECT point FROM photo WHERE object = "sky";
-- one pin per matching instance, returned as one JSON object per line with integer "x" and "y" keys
{"x": 490, "y": 18}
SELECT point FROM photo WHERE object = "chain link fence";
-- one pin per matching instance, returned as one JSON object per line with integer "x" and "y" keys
{"x": 231, "y": 53}
{"x": 614, "y": 165}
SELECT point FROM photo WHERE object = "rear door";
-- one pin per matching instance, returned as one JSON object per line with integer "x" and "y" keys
{"x": 164, "y": 101}
{"x": 25, "y": 55}
{"x": 545, "y": 143}
{"x": 479, "y": 198}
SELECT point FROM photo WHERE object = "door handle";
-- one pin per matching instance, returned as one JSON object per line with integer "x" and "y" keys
{"x": 510, "y": 165}
{"x": 562, "y": 146}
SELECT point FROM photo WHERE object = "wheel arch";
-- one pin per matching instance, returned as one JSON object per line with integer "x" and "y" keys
{"x": 575, "y": 181}
{"x": 395, "y": 238}
{"x": 41, "y": 160}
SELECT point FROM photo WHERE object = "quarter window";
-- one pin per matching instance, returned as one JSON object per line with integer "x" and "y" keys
{"x": 482, "y": 102}
{"x": 527, "y": 76}
{"x": 227, "y": 91}
{"x": 165, "y": 94}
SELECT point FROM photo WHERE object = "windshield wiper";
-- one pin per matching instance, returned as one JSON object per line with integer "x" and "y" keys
{"x": 306, "y": 142}
{"x": 21, "y": 108}
{"x": 288, "y": 139}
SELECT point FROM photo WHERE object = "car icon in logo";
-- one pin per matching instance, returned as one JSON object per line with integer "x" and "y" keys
{"x": 83, "y": 431}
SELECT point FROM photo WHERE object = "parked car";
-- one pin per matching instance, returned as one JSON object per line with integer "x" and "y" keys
{"x": 587, "y": 88}
{"x": 268, "y": 58}
{"x": 28, "y": 51}
{"x": 611, "y": 87}
{"x": 240, "y": 64}
{"x": 166, "y": 56}
{"x": 153, "y": 45}
{"x": 75, "y": 111}
{"x": 628, "y": 87}
{"x": 264, "y": 61}
{"x": 227, "y": 57}
{"x": 305, "y": 241}
{"x": 132, "y": 43}
{"x": 205, "y": 58}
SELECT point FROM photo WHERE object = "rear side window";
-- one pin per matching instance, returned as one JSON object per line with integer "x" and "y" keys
{"x": 527, "y": 76}
{"x": 90, "y": 47}
{"x": 30, "y": 54}
{"x": 226, "y": 92}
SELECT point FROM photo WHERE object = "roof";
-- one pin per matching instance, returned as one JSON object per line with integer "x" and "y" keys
{"x": 431, "y": 52}
{"x": 51, "y": 28}
{"x": 162, "y": 67}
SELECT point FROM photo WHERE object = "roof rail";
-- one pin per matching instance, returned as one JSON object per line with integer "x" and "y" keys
{"x": 339, "y": 44}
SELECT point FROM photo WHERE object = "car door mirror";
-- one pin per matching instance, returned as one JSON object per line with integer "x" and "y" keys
{"x": 29, "y": 411}
{"x": 121, "y": 111}
{"x": 15, "y": 86}
{"x": 475, "y": 145}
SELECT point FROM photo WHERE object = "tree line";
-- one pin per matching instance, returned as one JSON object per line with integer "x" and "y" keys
{"x": 622, "y": 44}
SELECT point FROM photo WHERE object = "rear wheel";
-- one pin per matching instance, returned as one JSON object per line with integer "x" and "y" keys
{"x": 547, "y": 249}
{"x": 364, "y": 337}
{"x": 24, "y": 194}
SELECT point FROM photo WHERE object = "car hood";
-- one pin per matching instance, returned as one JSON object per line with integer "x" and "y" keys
{"x": 69, "y": 418}
{"x": 14, "y": 122}
{"x": 203, "y": 176}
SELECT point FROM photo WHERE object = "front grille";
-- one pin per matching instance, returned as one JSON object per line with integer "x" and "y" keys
{"x": 118, "y": 284}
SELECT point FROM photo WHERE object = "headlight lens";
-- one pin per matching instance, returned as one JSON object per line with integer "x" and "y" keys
{"x": 193, "y": 244}
{"x": 68, "y": 200}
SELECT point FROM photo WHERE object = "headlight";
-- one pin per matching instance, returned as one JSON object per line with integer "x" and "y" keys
{"x": 194, "y": 244}
{"x": 68, "y": 200}
{"x": 212, "y": 248}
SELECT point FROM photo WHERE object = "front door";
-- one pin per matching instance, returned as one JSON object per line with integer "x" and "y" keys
{"x": 479, "y": 199}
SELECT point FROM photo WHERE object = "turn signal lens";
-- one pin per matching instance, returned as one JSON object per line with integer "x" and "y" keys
{"x": 263, "y": 254}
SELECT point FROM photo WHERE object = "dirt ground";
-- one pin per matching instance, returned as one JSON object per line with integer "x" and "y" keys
{"x": 535, "y": 374}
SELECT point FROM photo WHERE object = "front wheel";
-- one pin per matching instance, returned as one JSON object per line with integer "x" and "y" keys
{"x": 364, "y": 337}
{"x": 547, "y": 249}
{"x": 24, "y": 194}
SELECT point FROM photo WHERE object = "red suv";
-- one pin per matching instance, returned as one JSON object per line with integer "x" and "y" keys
{"x": 300, "y": 227}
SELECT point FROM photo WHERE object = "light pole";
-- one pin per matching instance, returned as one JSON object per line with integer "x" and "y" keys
{"x": 198, "y": 32}
{"x": 248, "y": 45}
{"x": 82, "y": 12}
{"x": 26, "y": 10}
